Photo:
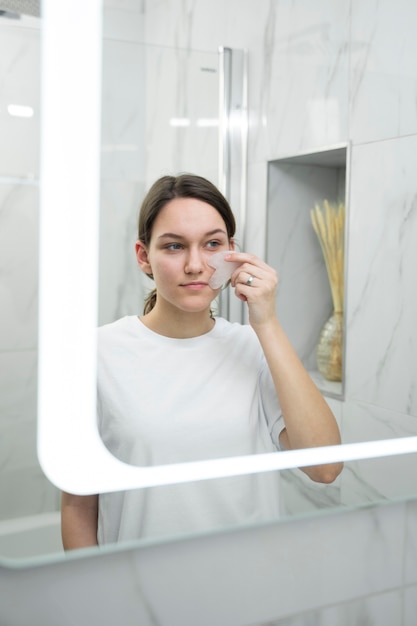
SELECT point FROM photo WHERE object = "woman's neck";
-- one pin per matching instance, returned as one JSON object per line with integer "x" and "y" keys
{"x": 177, "y": 324}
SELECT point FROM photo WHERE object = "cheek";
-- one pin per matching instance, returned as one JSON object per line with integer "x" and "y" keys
{"x": 164, "y": 267}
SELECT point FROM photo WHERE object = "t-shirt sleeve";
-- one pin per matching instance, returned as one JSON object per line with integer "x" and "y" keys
{"x": 269, "y": 404}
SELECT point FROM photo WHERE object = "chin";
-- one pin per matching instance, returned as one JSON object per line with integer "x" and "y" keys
{"x": 196, "y": 307}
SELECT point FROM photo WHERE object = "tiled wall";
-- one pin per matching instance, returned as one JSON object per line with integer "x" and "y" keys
{"x": 138, "y": 145}
{"x": 23, "y": 488}
{"x": 322, "y": 74}
{"x": 357, "y": 567}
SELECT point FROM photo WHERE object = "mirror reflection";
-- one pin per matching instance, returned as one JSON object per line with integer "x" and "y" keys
{"x": 178, "y": 384}
{"x": 379, "y": 399}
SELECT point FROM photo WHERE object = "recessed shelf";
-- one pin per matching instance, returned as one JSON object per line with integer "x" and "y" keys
{"x": 295, "y": 184}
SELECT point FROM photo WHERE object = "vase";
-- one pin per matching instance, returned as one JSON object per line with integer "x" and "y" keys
{"x": 330, "y": 348}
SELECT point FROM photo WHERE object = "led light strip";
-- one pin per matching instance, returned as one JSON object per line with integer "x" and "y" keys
{"x": 70, "y": 450}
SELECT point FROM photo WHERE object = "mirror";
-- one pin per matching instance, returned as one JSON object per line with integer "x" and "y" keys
{"x": 380, "y": 400}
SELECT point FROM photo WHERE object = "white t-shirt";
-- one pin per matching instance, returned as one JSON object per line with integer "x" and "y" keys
{"x": 163, "y": 400}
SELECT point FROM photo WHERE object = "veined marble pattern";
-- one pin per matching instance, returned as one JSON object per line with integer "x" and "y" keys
{"x": 371, "y": 480}
{"x": 299, "y": 86}
{"x": 132, "y": 6}
{"x": 121, "y": 288}
{"x": 381, "y": 296}
{"x": 313, "y": 569}
{"x": 347, "y": 570}
{"x": 123, "y": 111}
{"x": 24, "y": 489}
{"x": 411, "y": 538}
{"x": 298, "y": 63}
{"x": 164, "y": 128}
{"x": 383, "y": 85}
{"x": 19, "y": 86}
{"x": 376, "y": 610}
{"x": 182, "y": 132}
{"x": 18, "y": 265}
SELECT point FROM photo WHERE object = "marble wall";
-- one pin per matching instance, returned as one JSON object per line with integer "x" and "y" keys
{"x": 351, "y": 568}
{"x": 323, "y": 74}
{"x": 163, "y": 129}
{"x": 23, "y": 487}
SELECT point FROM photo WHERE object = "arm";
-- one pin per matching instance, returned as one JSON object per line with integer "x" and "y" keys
{"x": 79, "y": 521}
{"x": 308, "y": 419}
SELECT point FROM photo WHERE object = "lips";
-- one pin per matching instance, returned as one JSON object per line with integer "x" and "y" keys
{"x": 195, "y": 285}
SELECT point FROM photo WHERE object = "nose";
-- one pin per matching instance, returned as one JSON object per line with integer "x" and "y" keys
{"x": 194, "y": 263}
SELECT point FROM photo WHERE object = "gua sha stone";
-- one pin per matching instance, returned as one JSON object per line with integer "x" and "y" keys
{"x": 224, "y": 269}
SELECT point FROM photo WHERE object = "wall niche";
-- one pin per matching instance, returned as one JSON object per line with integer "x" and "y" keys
{"x": 296, "y": 184}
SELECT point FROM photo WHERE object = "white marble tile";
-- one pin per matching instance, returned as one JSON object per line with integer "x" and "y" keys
{"x": 379, "y": 610}
{"x": 24, "y": 489}
{"x": 410, "y": 565}
{"x": 327, "y": 563}
{"x": 26, "y": 492}
{"x": 410, "y": 606}
{"x": 182, "y": 98}
{"x": 123, "y": 20}
{"x": 123, "y": 110}
{"x": 19, "y": 80}
{"x": 383, "y": 87}
{"x": 256, "y": 212}
{"x": 300, "y": 496}
{"x": 18, "y": 409}
{"x": 299, "y": 82}
{"x": 201, "y": 26}
{"x": 369, "y": 422}
{"x": 381, "y": 297}
{"x": 18, "y": 265}
{"x": 160, "y": 111}
{"x": 131, "y": 6}
{"x": 18, "y": 386}
{"x": 120, "y": 280}
{"x": 381, "y": 479}
{"x": 251, "y": 576}
{"x": 373, "y": 481}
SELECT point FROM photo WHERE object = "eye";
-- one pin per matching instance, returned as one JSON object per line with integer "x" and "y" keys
{"x": 213, "y": 244}
{"x": 173, "y": 246}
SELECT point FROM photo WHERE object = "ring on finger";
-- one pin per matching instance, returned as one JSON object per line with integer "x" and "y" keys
{"x": 250, "y": 280}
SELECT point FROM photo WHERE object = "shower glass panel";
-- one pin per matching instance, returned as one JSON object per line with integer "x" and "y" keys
{"x": 160, "y": 116}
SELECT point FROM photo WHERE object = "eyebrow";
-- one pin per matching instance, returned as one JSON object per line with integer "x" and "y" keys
{"x": 177, "y": 236}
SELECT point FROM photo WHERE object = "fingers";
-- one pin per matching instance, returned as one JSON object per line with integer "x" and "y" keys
{"x": 254, "y": 275}
{"x": 256, "y": 283}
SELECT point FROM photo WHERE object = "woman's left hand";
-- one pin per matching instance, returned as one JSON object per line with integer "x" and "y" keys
{"x": 256, "y": 283}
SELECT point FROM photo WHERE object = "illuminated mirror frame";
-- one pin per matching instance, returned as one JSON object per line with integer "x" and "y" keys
{"x": 70, "y": 449}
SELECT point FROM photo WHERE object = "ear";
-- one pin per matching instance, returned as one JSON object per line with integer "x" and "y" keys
{"x": 143, "y": 258}
{"x": 232, "y": 244}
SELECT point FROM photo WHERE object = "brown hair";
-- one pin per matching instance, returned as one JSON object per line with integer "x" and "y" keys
{"x": 166, "y": 189}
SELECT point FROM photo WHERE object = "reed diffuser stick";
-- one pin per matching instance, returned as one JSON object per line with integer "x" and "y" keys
{"x": 328, "y": 223}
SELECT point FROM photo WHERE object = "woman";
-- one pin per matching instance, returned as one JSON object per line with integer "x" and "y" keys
{"x": 178, "y": 384}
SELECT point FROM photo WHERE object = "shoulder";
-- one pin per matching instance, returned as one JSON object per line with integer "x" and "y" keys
{"x": 118, "y": 331}
{"x": 224, "y": 328}
{"x": 237, "y": 337}
{"x": 114, "y": 327}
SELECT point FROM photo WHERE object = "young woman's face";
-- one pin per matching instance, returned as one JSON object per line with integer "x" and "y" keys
{"x": 186, "y": 233}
